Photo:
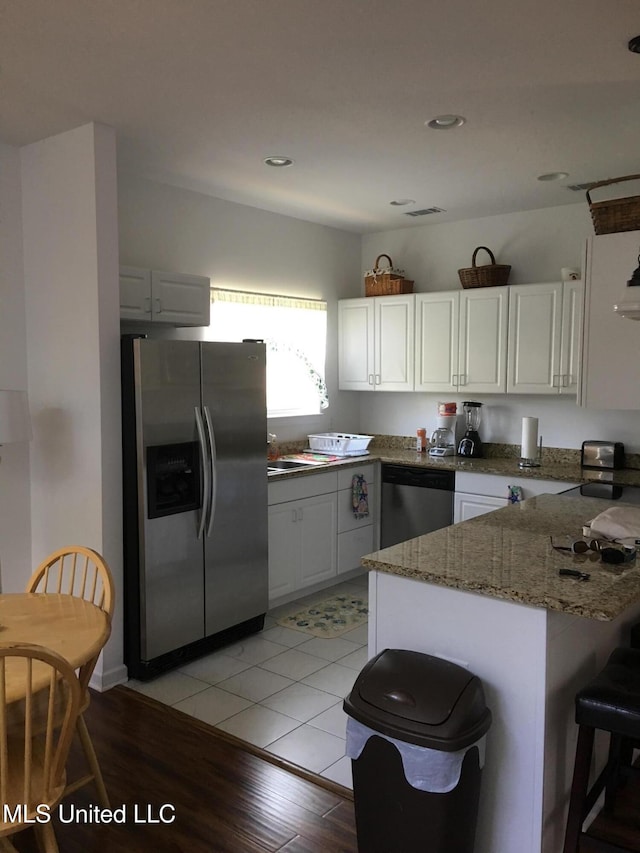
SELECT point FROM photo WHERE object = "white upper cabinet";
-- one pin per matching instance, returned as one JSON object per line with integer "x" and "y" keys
{"x": 544, "y": 337}
{"x": 571, "y": 339}
{"x": 375, "y": 343}
{"x": 482, "y": 365}
{"x": 355, "y": 344}
{"x": 436, "y": 346}
{"x": 461, "y": 340}
{"x": 153, "y": 296}
{"x": 611, "y": 351}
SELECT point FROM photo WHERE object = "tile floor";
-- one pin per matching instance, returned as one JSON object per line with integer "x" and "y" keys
{"x": 281, "y": 690}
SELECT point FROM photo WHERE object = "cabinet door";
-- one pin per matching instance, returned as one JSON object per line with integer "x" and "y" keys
{"x": 317, "y": 525}
{"x": 394, "y": 335}
{"x": 534, "y": 338}
{"x": 611, "y": 356}
{"x": 355, "y": 344}
{"x": 571, "y": 345}
{"x": 437, "y": 341}
{"x": 135, "y": 294}
{"x": 179, "y": 299}
{"x": 483, "y": 340}
{"x": 469, "y": 506}
{"x": 352, "y": 546}
{"x": 284, "y": 549}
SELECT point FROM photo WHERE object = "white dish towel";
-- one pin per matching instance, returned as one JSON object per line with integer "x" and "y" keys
{"x": 618, "y": 523}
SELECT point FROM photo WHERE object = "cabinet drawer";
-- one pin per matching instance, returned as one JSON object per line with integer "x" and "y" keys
{"x": 297, "y": 488}
{"x": 346, "y": 518}
{"x": 346, "y": 475}
{"x": 352, "y": 546}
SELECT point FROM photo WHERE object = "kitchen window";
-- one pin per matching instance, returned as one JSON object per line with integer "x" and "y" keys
{"x": 295, "y": 333}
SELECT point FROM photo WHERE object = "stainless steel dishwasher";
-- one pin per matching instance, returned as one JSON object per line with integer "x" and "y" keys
{"x": 414, "y": 501}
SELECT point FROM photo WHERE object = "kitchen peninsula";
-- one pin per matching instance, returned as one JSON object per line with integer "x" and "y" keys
{"x": 486, "y": 594}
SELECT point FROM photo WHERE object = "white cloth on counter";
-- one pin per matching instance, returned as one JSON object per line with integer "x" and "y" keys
{"x": 618, "y": 523}
{"x": 425, "y": 769}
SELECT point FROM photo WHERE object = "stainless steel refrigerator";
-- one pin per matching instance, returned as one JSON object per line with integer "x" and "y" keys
{"x": 195, "y": 498}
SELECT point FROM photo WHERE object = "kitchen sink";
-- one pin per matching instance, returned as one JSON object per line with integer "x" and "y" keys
{"x": 290, "y": 464}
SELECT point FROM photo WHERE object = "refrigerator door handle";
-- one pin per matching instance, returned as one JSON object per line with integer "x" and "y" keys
{"x": 214, "y": 476}
{"x": 206, "y": 479}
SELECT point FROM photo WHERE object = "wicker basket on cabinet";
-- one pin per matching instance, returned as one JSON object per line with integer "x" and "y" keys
{"x": 386, "y": 282}
{"x": 488, "y": 275}
{"x": 617, "y": 214}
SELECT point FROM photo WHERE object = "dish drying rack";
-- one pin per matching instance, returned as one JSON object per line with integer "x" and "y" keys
{"x": 339, "y": 443}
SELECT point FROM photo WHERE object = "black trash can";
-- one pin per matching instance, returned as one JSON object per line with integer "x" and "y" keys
{"x": 415, "y": 735}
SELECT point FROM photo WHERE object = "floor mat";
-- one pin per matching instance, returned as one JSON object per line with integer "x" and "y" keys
{"x": 329, "y": 618}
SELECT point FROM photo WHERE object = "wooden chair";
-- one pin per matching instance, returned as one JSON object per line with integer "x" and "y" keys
{"x": 33, "y": 757}
{"x": 76, "y": 570}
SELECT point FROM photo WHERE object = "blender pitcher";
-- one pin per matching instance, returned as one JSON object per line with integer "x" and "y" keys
{"x": 471, "y": 445}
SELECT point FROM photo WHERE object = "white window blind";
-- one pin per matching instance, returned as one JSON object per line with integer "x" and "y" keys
{"x": 294, "y": 331}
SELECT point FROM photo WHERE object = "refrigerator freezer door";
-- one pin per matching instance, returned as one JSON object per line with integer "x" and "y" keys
{"x": 170, "y": 553}
{"x": 236, "y": 548}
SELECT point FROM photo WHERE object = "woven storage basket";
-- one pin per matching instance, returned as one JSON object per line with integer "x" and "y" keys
{"x": 618, "y": 214}
{"x": 386, "y": 282}
{"x": 488, "y": 275}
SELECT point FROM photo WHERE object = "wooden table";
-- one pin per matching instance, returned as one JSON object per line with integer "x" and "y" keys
{"x": 71, "y": 626}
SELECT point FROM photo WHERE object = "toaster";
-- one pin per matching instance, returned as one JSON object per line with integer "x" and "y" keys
{"x": 602, "y": 454}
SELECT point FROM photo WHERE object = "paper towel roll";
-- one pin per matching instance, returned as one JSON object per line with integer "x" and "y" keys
{"x": 529, "y": 449}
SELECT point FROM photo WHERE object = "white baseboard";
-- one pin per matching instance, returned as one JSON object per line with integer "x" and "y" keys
{"x": 106, "y": 680}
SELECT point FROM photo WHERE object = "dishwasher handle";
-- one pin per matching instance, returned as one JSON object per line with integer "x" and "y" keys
{"x": 422, "y": 478}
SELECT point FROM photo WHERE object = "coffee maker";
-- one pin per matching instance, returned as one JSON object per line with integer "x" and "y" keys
{"x": 443, "y": 440}
{"x": 471, "y": 445}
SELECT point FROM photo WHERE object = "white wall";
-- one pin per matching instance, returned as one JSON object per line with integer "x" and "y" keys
{"x": 72, "y": 308}
{"x": 244, "y": 248}
{"x": 15, "y": 529}
{"x": 537, "y": 244}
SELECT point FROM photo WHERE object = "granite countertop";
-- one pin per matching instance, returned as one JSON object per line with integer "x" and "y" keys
{"x": 558, "y": 465}
{"x": 507, "y": 554}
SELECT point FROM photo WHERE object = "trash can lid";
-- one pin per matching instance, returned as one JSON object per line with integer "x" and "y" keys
{"x": 420, "y": 699}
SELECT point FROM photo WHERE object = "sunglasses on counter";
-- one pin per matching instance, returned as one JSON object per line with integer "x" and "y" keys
{"x": 612, "y": 554}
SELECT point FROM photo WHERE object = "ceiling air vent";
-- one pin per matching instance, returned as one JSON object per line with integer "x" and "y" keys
{"x": 578, "y": 188}
{"x": 425, "y": 211}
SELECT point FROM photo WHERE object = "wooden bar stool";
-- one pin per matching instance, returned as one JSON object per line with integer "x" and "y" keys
{"x": 610, "y": 703}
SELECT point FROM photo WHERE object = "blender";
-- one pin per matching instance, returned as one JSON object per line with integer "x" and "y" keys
{"x": 470, "y": 445}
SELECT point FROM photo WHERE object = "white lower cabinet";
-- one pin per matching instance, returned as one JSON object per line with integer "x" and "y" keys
{"x": 313, "y": 532}
{"x": 466, "y": 506}
{"x": 356, "y": 536}
{"x": 302, "y": 538}
{"x": 477, "y": 494}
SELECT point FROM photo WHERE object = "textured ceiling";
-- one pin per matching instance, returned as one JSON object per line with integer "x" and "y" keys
{"x": 200, "y": 91}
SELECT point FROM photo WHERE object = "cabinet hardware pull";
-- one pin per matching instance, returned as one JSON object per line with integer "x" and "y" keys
{"x": 565, "y": 380}
{"x": 300, "y": 514}
{"x": 462, "y": 379}
{"x": 454, "y": 379}
{"x": 158, "y": 306}
{"x": 377, "y": 379}
{"x": 371, "y": 379}
{"x": 147, "y": 305}
{"x": 294, "y": 515}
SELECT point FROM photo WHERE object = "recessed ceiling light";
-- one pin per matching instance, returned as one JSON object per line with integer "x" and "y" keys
{"x": 400, "y": 202}
{"x": 278, "y": 161}
{"x": 446, "y": 122}
{"x": 553, "y": 176}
